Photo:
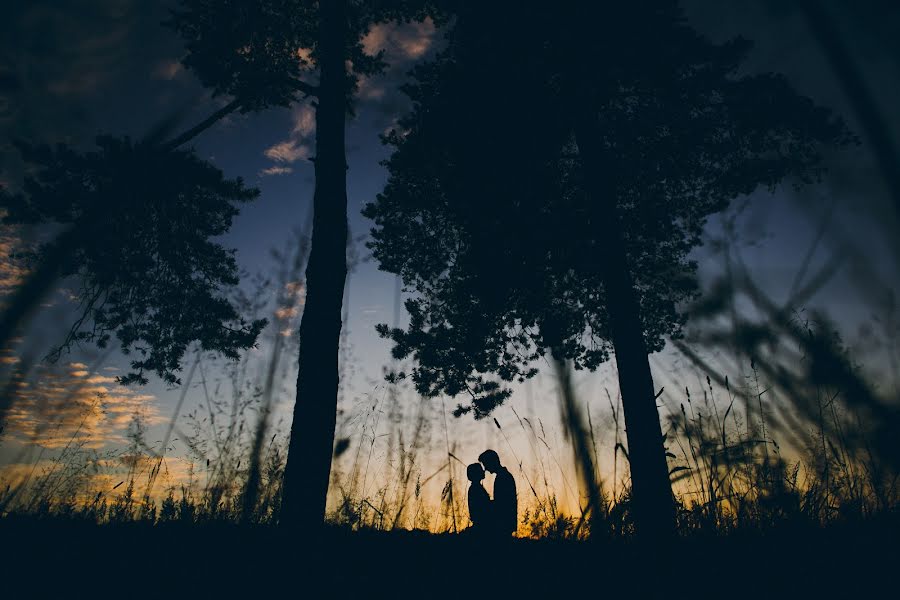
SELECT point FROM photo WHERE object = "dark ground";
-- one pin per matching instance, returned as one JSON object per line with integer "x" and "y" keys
{"x": 64, "y": 559}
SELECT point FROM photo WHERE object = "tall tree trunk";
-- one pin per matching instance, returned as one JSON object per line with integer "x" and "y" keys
{"x": 651, "y": 490}
{"x": 308, "y": 466}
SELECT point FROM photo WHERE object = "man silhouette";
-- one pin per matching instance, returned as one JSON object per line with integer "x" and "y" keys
{"x": 505, "y": 504}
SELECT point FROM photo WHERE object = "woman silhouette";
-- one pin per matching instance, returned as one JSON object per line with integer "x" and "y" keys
{"x": 480, "y": 509}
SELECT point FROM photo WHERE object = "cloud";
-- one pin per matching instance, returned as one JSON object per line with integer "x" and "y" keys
{"x": 286, "y": 313}
{"x": 168, "y": 70}
{"x": 77, "y": 407}
{"x": 304, "y": 119}
{"x": 276, "y": 171}
{"x": 305, "y": 55}
{"x": 371, "y": 89}
{"x": 287, "y": 152}
{"x": 296, "y": 289}
{"x": 297, "y": 146}
{"x": 401, "y": 45}
{"x": 12, "y": 269}
{"x": 400, "y": 41}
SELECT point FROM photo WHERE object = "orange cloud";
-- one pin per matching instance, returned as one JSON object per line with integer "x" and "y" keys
{"x": 276, "y": 171}
{"x": 298, "y": 146}
{"x": 287, "y": 152}
{"x": 12, "y": 270}
{"x": 168, "y": 70}
{"x": 77, "y": 407}
{"x": 400, "y": 41}
{"x": 304, "y": 119}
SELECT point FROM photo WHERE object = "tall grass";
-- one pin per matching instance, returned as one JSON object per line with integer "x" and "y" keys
{"x": 729, "y": 473}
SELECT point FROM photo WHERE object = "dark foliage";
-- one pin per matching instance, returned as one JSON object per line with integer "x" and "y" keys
{"x": 259, "y": 52}
{"x": 143, "y": 222}
{"x": 485, "y": 215}
{"x": 248, "y": 50}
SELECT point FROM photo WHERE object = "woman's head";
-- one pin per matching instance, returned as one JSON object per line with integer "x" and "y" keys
{"x": 475, "y": 472}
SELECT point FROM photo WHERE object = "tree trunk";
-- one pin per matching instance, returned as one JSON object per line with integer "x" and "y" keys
{"x": 308, "y": 467}
{"x": 652, "y": 502}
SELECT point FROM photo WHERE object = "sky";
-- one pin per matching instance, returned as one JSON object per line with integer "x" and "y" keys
{"x": 70, "y": 70}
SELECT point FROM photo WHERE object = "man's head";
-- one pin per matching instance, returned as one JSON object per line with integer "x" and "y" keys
{"x": 490, "y": 460}
{"x": 475, "y": 473}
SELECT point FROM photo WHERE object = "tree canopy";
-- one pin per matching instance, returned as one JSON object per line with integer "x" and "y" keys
{"x": 260, "y": 53}
{"x": 144, "y": 221}
{"x": 485, "y": 217}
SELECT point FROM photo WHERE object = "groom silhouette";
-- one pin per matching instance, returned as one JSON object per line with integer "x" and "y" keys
{"x": 505, "y": 504}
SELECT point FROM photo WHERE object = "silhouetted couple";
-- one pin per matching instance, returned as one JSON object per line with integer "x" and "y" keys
{"x": 497, "y": 517}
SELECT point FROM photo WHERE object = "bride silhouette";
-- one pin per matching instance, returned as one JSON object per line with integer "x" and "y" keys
{"x": 480, "y": 505}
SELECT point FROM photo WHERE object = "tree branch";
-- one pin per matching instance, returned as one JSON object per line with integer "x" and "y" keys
{"x": 202, "y": 126}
